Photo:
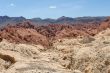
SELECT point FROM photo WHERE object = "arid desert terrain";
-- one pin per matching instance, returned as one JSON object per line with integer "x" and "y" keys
{"x": 55, "y": 48}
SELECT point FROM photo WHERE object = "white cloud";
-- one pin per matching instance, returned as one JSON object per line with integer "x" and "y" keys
{"x": 52, "y": 7}
{"x": 12, "y": 4}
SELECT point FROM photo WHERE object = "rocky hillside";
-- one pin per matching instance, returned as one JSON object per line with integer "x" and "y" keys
{"x": 27, "y": 32}
{"x": 55, "y": 48}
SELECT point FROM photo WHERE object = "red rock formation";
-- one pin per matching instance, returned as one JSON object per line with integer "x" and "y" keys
{"x": 105, "y": 24}
{"x": 23, "y": 35}
{"x": 27, "y": 33}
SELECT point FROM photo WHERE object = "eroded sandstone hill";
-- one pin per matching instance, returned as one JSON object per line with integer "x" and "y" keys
{"x": 27, "y": 32}
{"x": 26, "y": 48}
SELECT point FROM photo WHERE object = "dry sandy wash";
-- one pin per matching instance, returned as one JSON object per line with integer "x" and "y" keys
{"x": 83, "y": 54}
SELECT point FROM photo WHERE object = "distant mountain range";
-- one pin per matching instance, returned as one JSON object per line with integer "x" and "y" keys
{"x": 62, "y": 20}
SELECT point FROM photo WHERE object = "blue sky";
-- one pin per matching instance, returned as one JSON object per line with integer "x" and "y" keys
{"x": 54, "y": 8}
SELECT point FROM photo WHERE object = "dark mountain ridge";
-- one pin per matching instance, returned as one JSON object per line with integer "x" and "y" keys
{"x": 4, "y": 20}
{"x": 62, "y": 20}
